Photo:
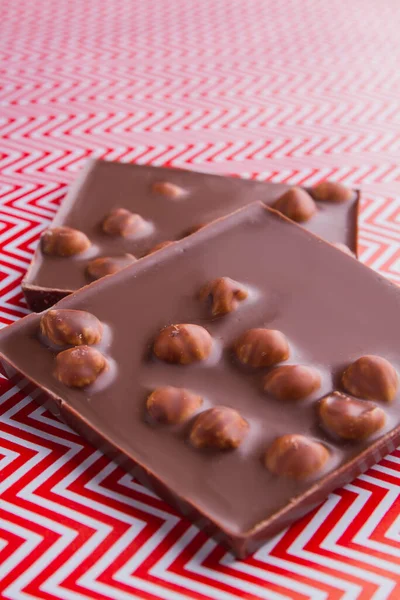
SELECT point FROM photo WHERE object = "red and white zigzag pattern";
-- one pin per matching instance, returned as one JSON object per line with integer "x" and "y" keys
{"x": 282, "y": 91}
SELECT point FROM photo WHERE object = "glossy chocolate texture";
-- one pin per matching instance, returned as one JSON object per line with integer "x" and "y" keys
{"x": 331, "y": 308}
{"x": 105, "y": 186}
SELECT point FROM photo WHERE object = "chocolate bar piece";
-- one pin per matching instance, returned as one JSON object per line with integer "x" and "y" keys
{"x": 248, "y": 370}
{"x": 116, "y": 213}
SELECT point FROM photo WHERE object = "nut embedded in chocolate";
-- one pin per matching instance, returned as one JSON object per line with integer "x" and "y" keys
{"x": 166, "y": 188}
{"x": 331, "y": 191}
{"x": 80, "y": 366}
{"x": 170, "y": 405}
{"x": 261, "y": 347}
{"x": 224, "y": 295}
{"x": 108, "y": 265}
{"x": 372, "y": 378}
{"x": 295, "y": 456}
{"x": 123, "y": 222}
{"x": 350, "y": 418}
{"x": 219, "y": 428}
{"x": 160, "y": 246}
{"x": 64, "y": 242}
{"x": 64, "y": 327}
{"x": 296, "y": 204}
{"x": 183, "y": 344}
{"x": 292, "y": 382}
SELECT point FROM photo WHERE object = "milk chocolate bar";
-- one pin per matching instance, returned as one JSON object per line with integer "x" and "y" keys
{"x": 246, "y": 371}
{"x": 116, "y": 213}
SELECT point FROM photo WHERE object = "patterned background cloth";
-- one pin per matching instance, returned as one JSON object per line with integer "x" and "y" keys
{"x": 284, "y": 90}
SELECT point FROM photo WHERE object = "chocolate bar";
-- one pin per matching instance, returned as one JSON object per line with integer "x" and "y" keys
{"x": 116, "y": 213}
{"x": 248, "y": 370}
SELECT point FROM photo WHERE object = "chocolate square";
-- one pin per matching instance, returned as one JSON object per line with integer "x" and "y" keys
{"x": 149, "y": 192}
{"x": 331, "y": 310}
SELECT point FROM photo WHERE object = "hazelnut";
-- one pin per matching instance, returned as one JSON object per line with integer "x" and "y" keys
{"x": 296, "y": 204}
{"x": 160, "y": 246}
{"x": 329, "y": 191}
{"x": 224, "y": 294}
{"x": 183, "y": 344}
{"x": 295, "y": 456}
{"x": 171, "y": 405}
{"x": 80, "y": 366}
{"x": 292, "y": 382}
{"x": 372, "y": 378}
{"x": 220, "y": 428}
{"x": 345, "y": 249}
{"x": 108, "y": 265}
{"x": 64, "y": 241}
{"x": 121, "y": 221}
{"x": 261, "y": 347}
{"x": 350, "y": 418}
{"x": 166, "y": 188}
{"x": 71, "y": 327}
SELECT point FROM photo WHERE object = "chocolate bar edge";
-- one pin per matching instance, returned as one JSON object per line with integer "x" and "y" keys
{"x": 244, "y": 544}
{"x": 39, "y": 298}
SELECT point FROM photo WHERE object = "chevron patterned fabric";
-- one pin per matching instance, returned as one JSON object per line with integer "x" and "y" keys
{"x": 287, "y": 91}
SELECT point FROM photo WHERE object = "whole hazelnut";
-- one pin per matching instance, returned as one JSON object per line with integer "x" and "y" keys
{"x": 183, "y": 344}
{"x": 371, "y": 377}
{"x": 108, "y": 265}
{"x": 123, "y": 222}
{"x": 223, "y": 294}
{"x": 296, "y": 204}
{"x": 330, "y": 191}
{"x": 160, "y": 246}
{"x": 65, "y": 327}
{"x": 350, "y": 418}
{"x": 292, "y": 382}
{"x": 345, "y": 249}
{"x": 64, "y": 242}
{"x": 295, "y": 456}
{"x": 166, "y": 188}
{"x": 171, "y": 405}
{"x": 219, "y": 428}
{"x": 261, "y": 347}
{"x": 80, "y": 366}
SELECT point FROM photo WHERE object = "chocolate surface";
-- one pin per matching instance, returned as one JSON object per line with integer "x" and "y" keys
{"x": 106, "y": 186}
{"x": 331, "y": 309}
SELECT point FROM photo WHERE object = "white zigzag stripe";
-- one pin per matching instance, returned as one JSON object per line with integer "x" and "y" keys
{"x": 363, "y": 537}
{"x": 298, "y": 549}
